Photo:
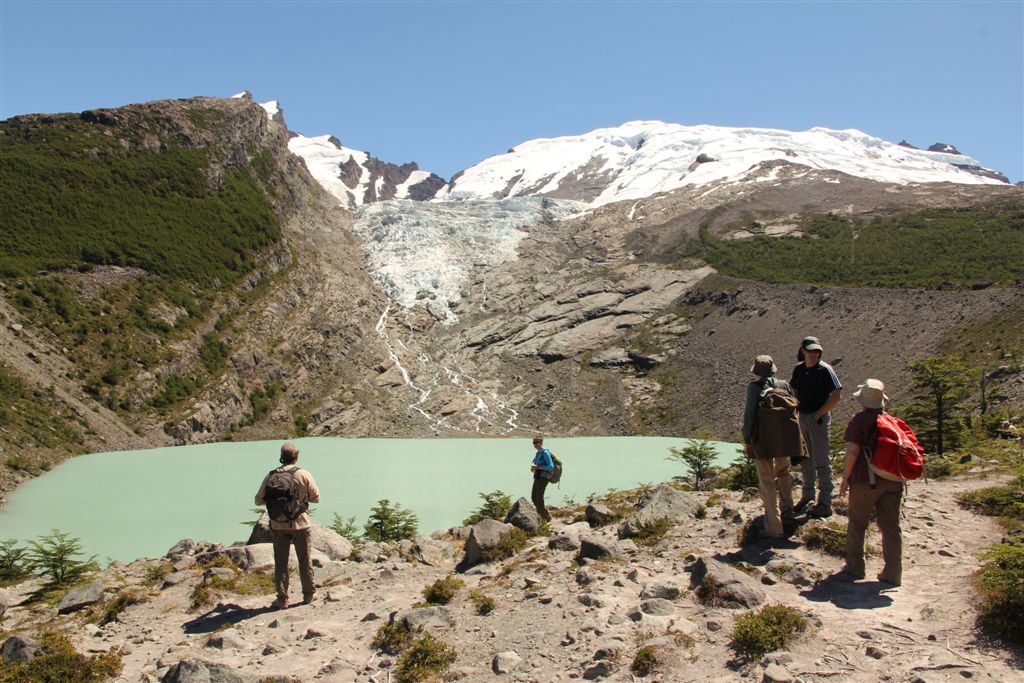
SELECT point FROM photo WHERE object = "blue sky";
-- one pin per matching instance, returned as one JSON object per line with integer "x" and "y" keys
{"x": 447, "y": 84}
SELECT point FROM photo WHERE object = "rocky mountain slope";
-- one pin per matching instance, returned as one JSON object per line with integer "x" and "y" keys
{"x": 474, "y": 317}
{"x": 585, "y": 602}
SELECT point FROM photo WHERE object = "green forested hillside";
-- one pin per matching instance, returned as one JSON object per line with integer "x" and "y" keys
{"x": 936, "y": 248}
{"x": 182, "y": 224}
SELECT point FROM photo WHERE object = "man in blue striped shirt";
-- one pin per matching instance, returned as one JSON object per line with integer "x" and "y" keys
{"x": 818, "y": 390}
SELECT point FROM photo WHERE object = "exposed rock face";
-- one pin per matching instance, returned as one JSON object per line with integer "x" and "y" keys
{"x": 730, "y": 585}
{"x": 483, "y": 536}
{"x": 199, "y": 671}
{"x": 660, "y": 503}
{"x": 78, "y": 598}
{"x": 18, "y": 649}
{"x": 524, "y": 515}
{"x": 329, "y": 542}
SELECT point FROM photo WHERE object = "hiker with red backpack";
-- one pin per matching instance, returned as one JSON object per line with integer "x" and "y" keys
{"x": 771, "y": 435}
{"x": 287, "y": 492}
{"x": 882, "y": 453}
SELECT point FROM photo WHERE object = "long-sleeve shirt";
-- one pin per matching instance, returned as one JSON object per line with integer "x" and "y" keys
{"x": 307, "y": 493}
{"x": 543, "y": 460}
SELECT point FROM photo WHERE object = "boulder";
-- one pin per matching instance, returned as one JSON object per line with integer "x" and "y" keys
{"x": 563, "y": 541}
{"x": 329, "y": 542}
{"x": 599, "y": 514}
{"x": 596, "y": 549}
{"x": 730, "y": 585}
{"x": 524, "y": 515}
{"x": 83, "y": 596}
{"x": 199, "y": 671}
{"x": 658, "y": 607}
{"x": 664, "y": 590}
{"x": 483, "y": 536}
{"x": 423, "y": 617}
{"x": 661, "y": 502}
{"x": 505, "y": 662}
{"x": 18, "y": 649}
{"x": 431, "y": 552}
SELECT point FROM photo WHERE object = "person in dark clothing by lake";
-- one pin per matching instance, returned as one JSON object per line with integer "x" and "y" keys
{"x": 542, "y": 467}
{"x": 819, "y": 390}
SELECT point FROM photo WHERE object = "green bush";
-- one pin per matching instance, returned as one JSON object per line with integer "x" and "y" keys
{"x": 1000, "y": 583}
{"x": 426, "y": 657}
{"x": 346, "y": 527}
{"x": 508, "y": 545}
{"x": 773, "y": 627}
{"x": 649, "y": 533}
{"x": 389, "y": 522}
{"x": 392, "y": 638}
{"x": 828, "y": 538}
{"x": 741, "y": 474}
{"x": 996, "y": 501}
{"x": 442, "y": 591}
{"x": 698, "y": 457}
{"x": 644, "y": 662}
{"x": 57, "y": 660}
{"x": 496, "y": 505}
{"x": 14, "y": 562}
{"x": 483, "y": 603}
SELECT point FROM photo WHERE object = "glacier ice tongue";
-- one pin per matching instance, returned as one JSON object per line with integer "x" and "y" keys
{"x": 426, "y": 251}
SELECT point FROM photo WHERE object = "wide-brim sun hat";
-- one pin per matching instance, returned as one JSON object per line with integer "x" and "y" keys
{"x": 871, "y": 394}
{"x": 764, "y": 366}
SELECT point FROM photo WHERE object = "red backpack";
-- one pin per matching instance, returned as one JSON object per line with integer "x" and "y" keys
{"x": 896, "y": 455}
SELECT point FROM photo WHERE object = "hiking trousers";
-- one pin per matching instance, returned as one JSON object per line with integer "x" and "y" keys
{"x": 770, "y": 471}
{"x": 884, "y": 500}
{"x": 540, "y": 484}
{"x": 818, "y": 465}
{"x": 283, "y": 540}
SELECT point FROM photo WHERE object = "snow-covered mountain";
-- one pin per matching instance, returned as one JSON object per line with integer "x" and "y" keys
{"x": 642, "y": 158}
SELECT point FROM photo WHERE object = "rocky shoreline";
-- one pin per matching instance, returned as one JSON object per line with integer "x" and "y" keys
{"x": 578, "y": 603}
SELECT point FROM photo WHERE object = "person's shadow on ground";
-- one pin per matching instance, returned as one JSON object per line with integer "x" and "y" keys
{"x": 224, "y": 613}
{"x": 847, "y": 595}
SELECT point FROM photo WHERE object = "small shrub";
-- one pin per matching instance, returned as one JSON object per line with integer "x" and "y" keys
{"x": 484, "y": 604}
{"x": 108, "y": 611}
{"x": 57, "y": 660}
{"x": 14, "y": 562}
{"x": 442, "y": 591}
{"x": 739, "y": 475}
{"x": 707, "y": 592}
{"x": 155, "y": 573}
{"x": 773, "y": 627}
{"x": 996, "y": 501}
{"x": 389, "y": 522}
{"x": 392, "y": 638}
{"x": 425, "y": 657}
{"x": 829, "y": 539}
{"x": 347, "y": 528}
{"x": 750, "y": 532}
{"x": 644, "y": 662}
{"x": 701, "y": 512}
{"x": 653, "y": 531}
{"x": 1000, "y": 582}
{"x": 508, "y": 545}
{"x": 496, "y": 505}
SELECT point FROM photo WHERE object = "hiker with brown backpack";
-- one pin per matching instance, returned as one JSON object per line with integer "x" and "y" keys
{"x": 771, "y": 435}
{"x": 287, "y": 492}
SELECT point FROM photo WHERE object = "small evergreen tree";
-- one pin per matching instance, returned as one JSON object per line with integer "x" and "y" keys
{"x": 943, "y": 386}
{"x": 14, "y": 563}
{"x": 496, "y": 506}
{"x": 53, "y": 556}
{"x": 389, "y": 522}
{"x": 698, "y": 456}
{"x": 346, "y": 527}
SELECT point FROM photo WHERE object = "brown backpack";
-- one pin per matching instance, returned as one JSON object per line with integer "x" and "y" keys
{"x": 776, "y": 431}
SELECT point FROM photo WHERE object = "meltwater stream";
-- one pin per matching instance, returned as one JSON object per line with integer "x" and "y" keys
{"x": 132, "y": 504}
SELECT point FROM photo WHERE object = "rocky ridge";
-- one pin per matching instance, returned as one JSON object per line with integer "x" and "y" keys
{"x": 576, "y": 604}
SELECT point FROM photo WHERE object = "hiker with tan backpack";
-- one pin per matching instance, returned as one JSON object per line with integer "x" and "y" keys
{"x": 771, "y": 435}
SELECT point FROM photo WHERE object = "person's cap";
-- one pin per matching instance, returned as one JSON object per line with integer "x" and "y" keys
{"x": 764, "y": 366}
{"x": 871, "y": 394}
{"x": 809, "y": 340}
{"x": 811, "y": 346}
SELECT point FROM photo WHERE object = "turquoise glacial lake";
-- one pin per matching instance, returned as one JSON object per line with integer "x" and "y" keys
{"x": 131, "y": 504}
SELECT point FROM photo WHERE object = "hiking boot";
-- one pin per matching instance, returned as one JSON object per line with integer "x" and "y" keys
{"x": 802, "y": 505}
{"x": 820, "y": 511}
{"x": 844, "y": 575}
{"x": 280, "y": 603}
{"x": 891, "y": 582}
{"x": 787, "y": 516}
{"x": 307, "y": 599}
